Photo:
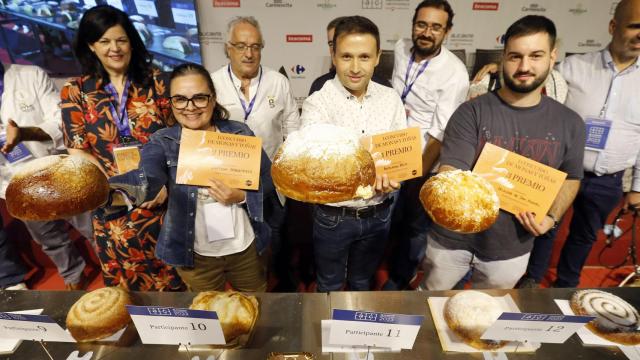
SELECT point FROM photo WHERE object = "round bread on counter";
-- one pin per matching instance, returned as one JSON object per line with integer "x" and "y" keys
{"x": 55, "y": 187}
{"x": 323, "y": 163}
{"x": 616, "y": 320}
{"x": 237, "y": 312}
{"x": 469, "y": 314}
{"x": 99, "y": 314}
{"x": 460, "y": 201}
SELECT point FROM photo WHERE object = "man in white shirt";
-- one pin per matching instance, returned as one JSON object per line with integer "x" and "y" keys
{"x": 255, "y": 94}
{"x": 262, "y": 98}
{"x": 603, "y": 89}
{"x": 432, "y": 82}
{"x": 31, "y": 119}
{"x": 352, "y": 234}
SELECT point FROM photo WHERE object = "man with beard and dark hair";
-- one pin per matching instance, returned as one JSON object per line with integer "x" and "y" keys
{"x": 432, "y": 82}
{"x": 519, "y": 118}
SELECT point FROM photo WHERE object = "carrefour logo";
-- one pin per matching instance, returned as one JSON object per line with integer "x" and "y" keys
{"x": 298, "y": 69}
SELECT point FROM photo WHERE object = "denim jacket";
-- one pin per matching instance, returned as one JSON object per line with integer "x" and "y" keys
{"x": 158, "y": 166}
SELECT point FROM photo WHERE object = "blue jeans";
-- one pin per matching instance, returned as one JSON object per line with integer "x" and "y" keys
{"x": 597, "y": 197}
{"x": 412, "y": 224}
{"x": 12, "y": 271}
{"x": 541, "y": 255}
{"x": 347, "y": 247}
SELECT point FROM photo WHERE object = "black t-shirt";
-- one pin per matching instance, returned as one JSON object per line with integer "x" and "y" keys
{"x": 549, "y": 133}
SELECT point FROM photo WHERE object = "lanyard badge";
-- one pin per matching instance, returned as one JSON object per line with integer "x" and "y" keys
{"x": 119, "y": 112}
{"x": 408, "y": 86}
{"x": 247, "y": 109}
{"x": 598, "y": 130}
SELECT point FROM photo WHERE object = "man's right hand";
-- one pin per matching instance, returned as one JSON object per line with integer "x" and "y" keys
{"x": 13, "y": 137}
{"x": 491, "y": 68}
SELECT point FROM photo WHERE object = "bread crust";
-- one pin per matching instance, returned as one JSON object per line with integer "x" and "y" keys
{"x": 323, "y": 163}
{"x": 460, "y": 201}
{"x": 237, "y": 312}
{"x": 99, "y": 314}
{"x": 55, "y": 187}
{"x": 620, "y": 328}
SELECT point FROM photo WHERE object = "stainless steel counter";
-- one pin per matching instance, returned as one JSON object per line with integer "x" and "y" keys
{"x": 291, "y": 322}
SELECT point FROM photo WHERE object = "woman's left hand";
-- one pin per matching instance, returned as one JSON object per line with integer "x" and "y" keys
{"x": 224, "y": 194}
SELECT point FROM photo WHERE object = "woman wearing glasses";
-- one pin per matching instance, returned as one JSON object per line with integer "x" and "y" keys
{"x": 111, "y": 110}
{"x": 204, "y": 263}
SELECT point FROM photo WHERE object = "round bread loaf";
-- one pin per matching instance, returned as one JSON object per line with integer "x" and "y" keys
{"x": 55, "y": 187}
{"x": 322, "y": 164}
{"x": 99, "y": 314}
{"x": 616, "y": 320}
{"x": 469, "y": 314}
{"x": 460, "y": 201}
{"x": 237, "y": 312}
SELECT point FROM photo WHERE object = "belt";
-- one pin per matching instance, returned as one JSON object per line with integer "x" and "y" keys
{"x": 358, "y": 213}
{"x": 589, "y": 174}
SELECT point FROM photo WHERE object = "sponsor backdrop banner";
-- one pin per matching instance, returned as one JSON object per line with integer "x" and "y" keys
{"x": 296, "y": 41}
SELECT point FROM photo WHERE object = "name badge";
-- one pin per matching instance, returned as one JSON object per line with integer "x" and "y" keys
{"x": 127, "y": 158}
{"x": 597, "y": 133}
{"x": 32, "y": 327}
{"x": 175, "y": 326}
{"x": 18, "y": 154}
{"x": 540, "y": 328}
{"x": 364, "y": 328}
{"x": 219, "y": 221}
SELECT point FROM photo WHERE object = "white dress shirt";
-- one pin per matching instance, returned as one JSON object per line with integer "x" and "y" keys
{"x": 590, "y": 77}
{"x": 380, "y": 111}
{"x": 274, "y": 114}
{"x": 31, "y": 100}
{"x": 435, "y": 94}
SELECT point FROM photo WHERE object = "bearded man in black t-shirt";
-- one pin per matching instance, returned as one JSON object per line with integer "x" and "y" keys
{"x": 519, "y": 118}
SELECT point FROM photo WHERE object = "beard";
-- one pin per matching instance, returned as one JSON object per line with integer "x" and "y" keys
{"x": 425, "y": 51}
{"x": 523, "y": 88}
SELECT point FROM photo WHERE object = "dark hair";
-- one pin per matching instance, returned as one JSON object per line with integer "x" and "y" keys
{"x": 529, "y": 25}
{"x": 94, "y": 23}
{"x": 438, "y": 4}
{"x": 356, "y": 25}
{"x": 333, "y": 23}
{"x": 219, "y": 112}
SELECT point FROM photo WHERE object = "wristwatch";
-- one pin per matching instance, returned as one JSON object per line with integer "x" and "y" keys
{"x": 556, "y": 223}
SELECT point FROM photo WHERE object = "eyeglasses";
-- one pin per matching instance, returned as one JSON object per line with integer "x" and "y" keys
{"x": 422, "y": 26}
{"x": 199, "y": 101}
{"x": 241, "y": 47}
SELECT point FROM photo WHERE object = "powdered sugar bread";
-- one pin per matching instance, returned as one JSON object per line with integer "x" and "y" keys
{"x": 323, "y": 163}
{"x": 469, "y": 314}
{"x": 460, "y": 201}
{"x": 616, "y": 320}
{"x": 55, "y": 187}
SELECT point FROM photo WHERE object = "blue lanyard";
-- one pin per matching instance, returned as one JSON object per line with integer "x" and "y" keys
{"x": 120, "y": 115}
{"x": 247, "y": 110}
{"x": 407, "y": 87}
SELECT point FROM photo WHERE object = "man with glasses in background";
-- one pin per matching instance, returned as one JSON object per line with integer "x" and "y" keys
{"x": 260, "y": 97}
{"x": 432, "y": 82}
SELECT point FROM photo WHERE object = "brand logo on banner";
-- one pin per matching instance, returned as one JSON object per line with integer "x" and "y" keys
{"x": 500, "y": 39}
{"x": 226, "y": 3}
{"x": 578, "y": 10}
{"x": 460, "y": 40}
{"x": 278, "y": 4}
{"x": 590, "y": 43}
{"x": 535, "y": 7}
{"x": 486, "y": 6}
{"x": 613, "y": 7}
{"x": 372, "y": 4}
{"x": 299, "y": 38}
{"x": 211, "y": 37}
{"x": 298, "y": 69}
{"x": 326, "y": 4}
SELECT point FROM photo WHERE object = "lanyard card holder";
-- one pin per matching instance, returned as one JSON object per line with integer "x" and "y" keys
{"x": 18, "y": 154}
{"x": 598, "y": 130}
{"x": 127, "y": 154}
